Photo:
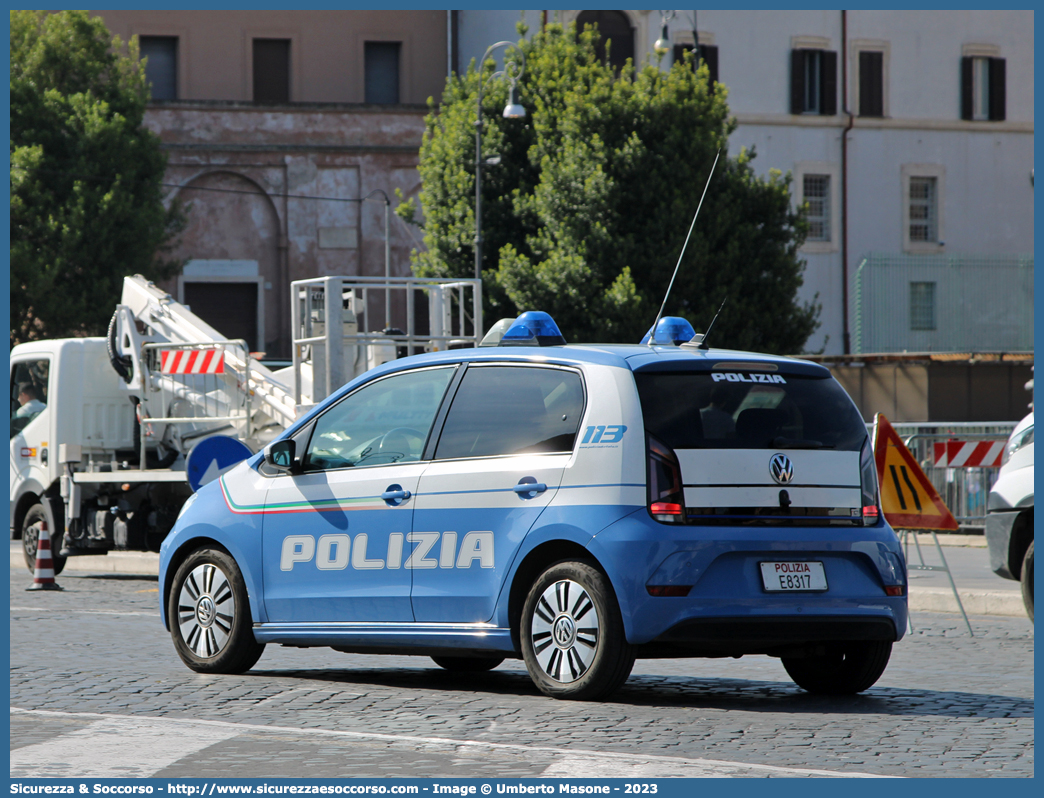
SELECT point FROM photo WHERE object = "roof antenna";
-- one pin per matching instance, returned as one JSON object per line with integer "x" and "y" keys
{"x": 702, "y": 343}
{"x": 659, "y": 315}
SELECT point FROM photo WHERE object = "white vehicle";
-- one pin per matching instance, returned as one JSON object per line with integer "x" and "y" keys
{"x": 1009, "y": 519}
{"x": 110, "y": 436}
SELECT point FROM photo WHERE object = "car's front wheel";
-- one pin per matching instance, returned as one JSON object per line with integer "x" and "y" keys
{"x": 1027, "y": 580}
{"x": 31, "y": 525}
{"x": 846, "y": 668}
{"x": 209, "y": 614}
{"x": 573, "y": 640}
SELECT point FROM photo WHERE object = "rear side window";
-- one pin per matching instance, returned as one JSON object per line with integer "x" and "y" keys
{"x": 710, "y": 411}
{"x": 502, "y": 410}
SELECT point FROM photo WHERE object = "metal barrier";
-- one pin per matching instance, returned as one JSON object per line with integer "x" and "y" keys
{"x": 942, "y": 303}
{"x": 197, "y": 403}
{"x": 964, "y": 490}
{"x": 455, "y": 320}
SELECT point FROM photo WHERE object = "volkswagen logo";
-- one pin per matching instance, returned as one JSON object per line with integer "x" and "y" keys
{"x": 564, "y": 631}
{"x": 782, "y": 469}
{"x": 205, "y": 611}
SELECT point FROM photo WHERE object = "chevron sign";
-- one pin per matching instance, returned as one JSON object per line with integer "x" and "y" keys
{"x": 192, "y": 361}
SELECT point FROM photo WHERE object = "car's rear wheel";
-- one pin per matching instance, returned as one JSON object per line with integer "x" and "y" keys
{"x": 847, "y": 667}
{"x": 209, "y": 615}
{"x": 467, "y": 664}
{"x": 573, "y": 640}
{"x": 31, "y": 539}
{"x": 1027, "y": 580}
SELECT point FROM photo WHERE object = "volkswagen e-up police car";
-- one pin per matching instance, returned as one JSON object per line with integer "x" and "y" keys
{"x": 574, "y": 506}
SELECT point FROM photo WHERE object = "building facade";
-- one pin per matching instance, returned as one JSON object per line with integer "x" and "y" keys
{"x": 286, "y": 133}
{"x": 909, "y": 134}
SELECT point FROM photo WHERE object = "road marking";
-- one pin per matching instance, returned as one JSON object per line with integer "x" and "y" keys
{"x": 114, "y": 747}
{"x": 624, "y": 764}
{"x": 88, "y": 612}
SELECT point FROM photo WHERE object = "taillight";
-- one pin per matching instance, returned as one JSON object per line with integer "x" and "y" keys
{"x": 868, "y": 484}
{"x": 666, "y": 496}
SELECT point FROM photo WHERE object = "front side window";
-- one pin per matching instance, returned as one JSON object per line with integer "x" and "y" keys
{"x": 28, "y": 392}
{"x": 385, "y": 422}
{"x": 505, "y": 410}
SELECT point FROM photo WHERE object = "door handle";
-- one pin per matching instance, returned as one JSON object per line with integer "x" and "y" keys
{"x": 395, "y": 494}
{"x": 529, "y": 485}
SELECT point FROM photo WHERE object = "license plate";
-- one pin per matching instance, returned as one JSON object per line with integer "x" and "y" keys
{"x": 787, "y": 577}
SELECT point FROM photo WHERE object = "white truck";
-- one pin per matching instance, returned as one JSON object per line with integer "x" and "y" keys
{"x": 110, "y": 436}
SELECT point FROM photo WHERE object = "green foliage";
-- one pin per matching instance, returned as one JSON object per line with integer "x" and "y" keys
{"x": 86, "y": 202}
{"x": 587, "y": 212}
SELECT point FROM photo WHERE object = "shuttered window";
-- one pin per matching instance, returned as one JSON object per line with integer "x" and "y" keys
{"x": 271, "y": 70}
{"x": 382, "y": 72}
{"x": 871, "y": 83}
{"x": 161, "y": 65}
{"x": 983, "y": 88}
{"x": 813, "y": 82}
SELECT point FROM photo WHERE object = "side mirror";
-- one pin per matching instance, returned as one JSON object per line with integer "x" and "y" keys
{"x": 281, "y": 454}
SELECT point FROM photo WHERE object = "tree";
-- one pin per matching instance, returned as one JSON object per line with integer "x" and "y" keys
{"x": 586, "y": 214}
{"x": 86, "y": 201}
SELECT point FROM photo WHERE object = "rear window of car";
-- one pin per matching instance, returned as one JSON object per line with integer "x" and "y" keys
{"x": 725, "y": 410}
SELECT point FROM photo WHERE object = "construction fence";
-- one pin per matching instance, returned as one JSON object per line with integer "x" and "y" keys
{"x": 942, "y": 303}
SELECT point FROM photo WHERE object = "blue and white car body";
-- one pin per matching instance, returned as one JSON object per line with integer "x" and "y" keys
{"x": 432, "y": 554}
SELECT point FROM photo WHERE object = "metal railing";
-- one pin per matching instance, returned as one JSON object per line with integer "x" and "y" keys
{"x": 942, "y": 303}
{"x": 964, "y": 490}
{"x": 325, "y": 304}
{"x": 198, "y": 403}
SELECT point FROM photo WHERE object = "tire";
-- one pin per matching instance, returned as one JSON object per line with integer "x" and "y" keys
{"x": 467, "y": 664}
{"x": 1027, "y": 580}
{"x": 573, "y": 640}
{"x": 209, "y": 615}
{"x": 31, "y": 536}
{"x": 847, "y": 668}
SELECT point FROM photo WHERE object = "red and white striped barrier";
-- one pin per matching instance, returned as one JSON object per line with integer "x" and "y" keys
{"x": 192, "y": 361}
{"x": 968, "y": 454}
{"x": 43, "y": 574}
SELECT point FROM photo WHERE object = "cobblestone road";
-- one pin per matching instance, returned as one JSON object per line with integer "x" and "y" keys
{"x": 96, "y": 687}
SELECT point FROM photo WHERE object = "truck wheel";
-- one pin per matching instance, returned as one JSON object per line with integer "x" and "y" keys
{"x": 467, "y": 664}
{"x": 31, "y": 536}
{"x": 847, "y": 667}
{"x": 573, "y": 640}
{"x": 209, "y": 615}
{"x": 1027, "y": 581}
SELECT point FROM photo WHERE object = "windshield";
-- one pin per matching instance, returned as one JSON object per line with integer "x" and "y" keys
{"x": 727, "y": 410}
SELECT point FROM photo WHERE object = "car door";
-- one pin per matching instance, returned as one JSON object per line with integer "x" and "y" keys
{"x": 335, "y": 531}
{"x": 500, "y": 457}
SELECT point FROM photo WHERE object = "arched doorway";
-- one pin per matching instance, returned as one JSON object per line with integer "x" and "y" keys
{"x": 612, "y": 26}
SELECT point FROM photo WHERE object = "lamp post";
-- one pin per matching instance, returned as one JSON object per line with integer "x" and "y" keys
{"x": 511, "y": 111}
{"x": 664, "y": 42}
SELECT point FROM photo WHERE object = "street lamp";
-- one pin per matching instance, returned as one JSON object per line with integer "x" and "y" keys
{"x": 511, "y": 111}
{"x": 664, "y": 42}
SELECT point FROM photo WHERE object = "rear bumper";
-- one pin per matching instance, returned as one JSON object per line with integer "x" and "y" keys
{"x": 727, "y": 602}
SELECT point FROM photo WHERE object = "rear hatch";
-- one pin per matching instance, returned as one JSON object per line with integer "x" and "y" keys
{"x": 761, "y": 442}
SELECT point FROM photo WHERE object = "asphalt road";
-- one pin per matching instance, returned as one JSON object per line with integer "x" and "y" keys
{"x": 97, "y": 690}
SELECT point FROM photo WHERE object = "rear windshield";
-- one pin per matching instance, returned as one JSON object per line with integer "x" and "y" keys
{"x": 749, "y": 411}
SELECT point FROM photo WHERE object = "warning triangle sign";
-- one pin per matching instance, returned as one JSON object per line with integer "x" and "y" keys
{"x": 908, "y": 499}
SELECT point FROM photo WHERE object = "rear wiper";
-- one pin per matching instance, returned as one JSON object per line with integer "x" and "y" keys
{"x": 798, "y": 443}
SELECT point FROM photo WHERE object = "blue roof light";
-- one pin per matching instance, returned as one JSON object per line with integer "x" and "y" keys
{"x": 533, "y": 328}
{"x": 671, "y": 331}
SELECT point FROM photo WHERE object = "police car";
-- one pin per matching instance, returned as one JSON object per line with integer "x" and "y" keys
{"x": 573, "y": 506}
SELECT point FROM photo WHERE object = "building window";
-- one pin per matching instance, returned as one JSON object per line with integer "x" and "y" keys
{"x": 708, "y": 55}
{"x": 983, "y": 88}
{"x": 271, "y": 70}
{"x": 382, "y": 72}
{"x": 924, "y": 226}
{"x": 813, "y": 82}
{"x": 871, "y": 83}
{"x": 816, "y": 190}
{"x": 922, "y": 306}
{"x": 161, "y": 65}
{"x": 615, "y": 27}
